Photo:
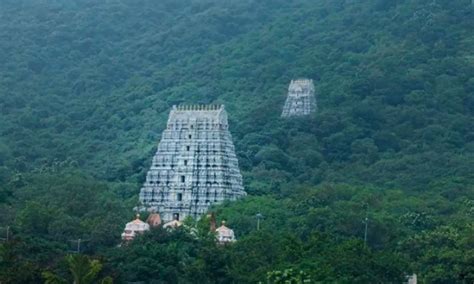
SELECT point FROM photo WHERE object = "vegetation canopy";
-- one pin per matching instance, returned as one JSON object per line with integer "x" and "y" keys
{"x": 86, "y": 87}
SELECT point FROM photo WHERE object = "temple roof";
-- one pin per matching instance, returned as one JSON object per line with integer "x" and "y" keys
{"x": 215, "y": 113}
{"x": 223, "y": 228}
{"x": 225, "y": 234}
{"x": 172, "y": 224}
{"x": 137, "y": 225}
{"x": 134, "y": 227}
{"x": 154, "y": 220}
{"x": 301, "y": 85}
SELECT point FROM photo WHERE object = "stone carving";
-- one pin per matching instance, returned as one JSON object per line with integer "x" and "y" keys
{"x": 301, "y": 99}
{"x": 195, "y": 165}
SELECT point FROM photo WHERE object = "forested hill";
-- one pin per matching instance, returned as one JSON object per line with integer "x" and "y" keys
{"x": 86, "y": 87}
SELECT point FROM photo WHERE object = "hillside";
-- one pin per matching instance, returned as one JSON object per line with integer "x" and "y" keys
{"x": 86, "y": 87}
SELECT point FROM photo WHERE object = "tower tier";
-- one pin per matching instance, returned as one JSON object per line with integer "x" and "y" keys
{"x": 195, "y": 165}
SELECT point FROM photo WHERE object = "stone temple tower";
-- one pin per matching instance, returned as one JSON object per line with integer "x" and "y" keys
{"x": 301, "y": 100}
{"x": 195, "y": 165}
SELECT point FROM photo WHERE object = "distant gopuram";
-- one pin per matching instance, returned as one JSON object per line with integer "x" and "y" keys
{"x": 301, "y": 100}
{"x": 194, "y": 166}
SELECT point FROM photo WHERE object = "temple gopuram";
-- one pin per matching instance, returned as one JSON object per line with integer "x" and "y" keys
{"x": 195, "y": 165}
{"x": 301, "y": 100}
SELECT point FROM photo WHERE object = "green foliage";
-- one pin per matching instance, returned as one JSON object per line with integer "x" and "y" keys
{"x": 86, "y": 87}
{"x": 449, "y": 250}
{"x": 15, "y": 267}
{"x": 287, "y": 276}
{"x": 82, "y": 269}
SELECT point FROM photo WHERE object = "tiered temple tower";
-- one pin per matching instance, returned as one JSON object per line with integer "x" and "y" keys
{"x": 195, "y": 165}
{"x": 301, "y": 100}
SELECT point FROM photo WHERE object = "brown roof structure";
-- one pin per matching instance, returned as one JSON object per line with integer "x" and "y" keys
{"x": 154, "y": 220}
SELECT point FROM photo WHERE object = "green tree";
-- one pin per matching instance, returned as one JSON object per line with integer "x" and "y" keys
{"x": 83, "y": 271}
{"x": 288, "y": 276}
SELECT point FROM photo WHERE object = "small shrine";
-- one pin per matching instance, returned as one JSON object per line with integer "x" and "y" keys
{"x": 225, "y": 234}
{"x": 133, "y": 228}
{"x": 154, "y": 220}
{"x": 172, "y": 224}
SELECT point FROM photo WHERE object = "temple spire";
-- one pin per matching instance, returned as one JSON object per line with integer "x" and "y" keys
{"x": 195, "y": 165}
{"x": 301, "y": 99}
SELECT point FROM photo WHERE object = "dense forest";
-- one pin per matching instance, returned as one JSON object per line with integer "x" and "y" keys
{"x": 86, "y": 87}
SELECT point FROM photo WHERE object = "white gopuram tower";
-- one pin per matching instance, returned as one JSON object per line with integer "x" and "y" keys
{"x": 300, "y": 100}
{"x": 195, "y": 165}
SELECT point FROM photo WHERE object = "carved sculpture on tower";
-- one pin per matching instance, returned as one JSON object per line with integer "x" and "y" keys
{"x": 301, "y": 99}
{"x": 195, "y": 165}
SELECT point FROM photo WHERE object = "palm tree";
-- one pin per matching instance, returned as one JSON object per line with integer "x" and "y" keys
{"x": 83, "y": 270}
